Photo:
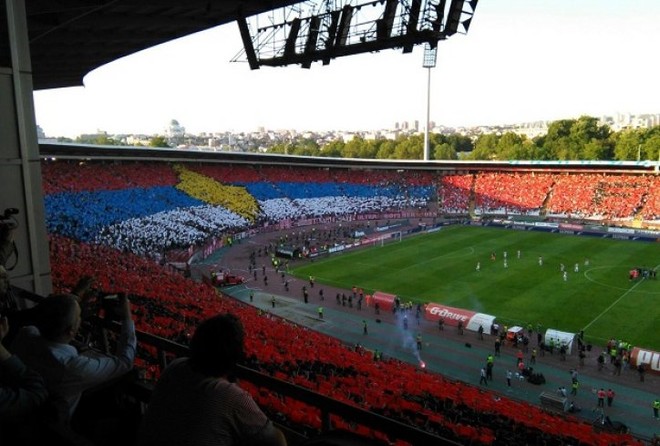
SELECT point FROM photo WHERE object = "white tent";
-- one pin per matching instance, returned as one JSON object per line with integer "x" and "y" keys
{"x": 485, "y": 320}
{"x": 559, "y": 338}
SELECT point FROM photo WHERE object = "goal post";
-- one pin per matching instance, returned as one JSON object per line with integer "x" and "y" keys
{"x": 394, "y": 237}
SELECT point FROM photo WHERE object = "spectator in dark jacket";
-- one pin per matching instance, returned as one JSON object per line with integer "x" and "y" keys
{"x": 21, "y": 390}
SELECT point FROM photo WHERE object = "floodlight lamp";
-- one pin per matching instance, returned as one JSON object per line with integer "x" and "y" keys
{"x": 430, "y": 55}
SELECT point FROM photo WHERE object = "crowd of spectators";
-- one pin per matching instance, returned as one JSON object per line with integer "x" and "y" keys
{"x": 572, "y": 195}
{"x": 82, "y": 215}
{"x": 234, "y": 198}
{"x": 193, "y": 205}
{"x": 454, "y": 193}
{"x": 284, "y": 209}
{"x": 651, "y": 202}
{"x": 151, "y": 208}
{"x": 237, "y": 174}
{"x": 169, "y": 230}
{"x": 621, "y": 196}
{"x": 83, "y": 198}
{"x": 170, "y": 306}
{"x": 75, "y": 176}
{"x": 506, "y": 193}
{"x": 266, "y": 182}
{"x": 133, "y": 210}
{"x": 290, "y": 174}
{"x": 601, "y": 196}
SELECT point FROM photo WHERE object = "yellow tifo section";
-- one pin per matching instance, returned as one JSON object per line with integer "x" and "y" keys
{"x": 236, "y": 199}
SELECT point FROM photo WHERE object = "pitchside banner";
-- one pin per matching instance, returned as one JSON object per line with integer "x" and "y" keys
{"x": 451, "y": 316}
{"x": 649, "y": 358}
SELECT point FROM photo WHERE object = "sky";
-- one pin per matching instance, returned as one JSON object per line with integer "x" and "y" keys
{"x": 521, "y": 61}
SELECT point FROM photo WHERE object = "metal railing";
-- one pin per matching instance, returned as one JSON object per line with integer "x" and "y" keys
{"x": 392, "y": 428}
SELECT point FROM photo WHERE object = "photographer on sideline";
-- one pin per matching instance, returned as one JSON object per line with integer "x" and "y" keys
{"x": 46, "y": 347}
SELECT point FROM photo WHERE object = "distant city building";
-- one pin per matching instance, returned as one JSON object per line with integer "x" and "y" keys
{"x": 531, "y": 130}
{"x": 262, "y": 138}
{"x": 91, "y": 136}
{"x": 346, "y": 137}
{"x": 175, "y": 133}
{"x": 137, "y": 140}
{"x": 624, "y": 121}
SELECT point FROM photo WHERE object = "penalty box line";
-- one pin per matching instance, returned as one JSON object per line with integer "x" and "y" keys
{"x": 617, "y": 301}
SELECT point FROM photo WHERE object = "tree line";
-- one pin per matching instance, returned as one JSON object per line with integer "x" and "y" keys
{"x": 567, "y": 139}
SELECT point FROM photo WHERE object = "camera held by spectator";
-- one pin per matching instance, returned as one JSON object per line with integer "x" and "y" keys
{"x": 110, "y": 305}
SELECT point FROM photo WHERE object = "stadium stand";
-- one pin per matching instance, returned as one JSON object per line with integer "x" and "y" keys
{"x": 651, "y": 201}
{"x": 569, "y": 195}
{"x": 454, "y": 193}
{"x": 168, "y": 305}
{"x": 135, "y": 214}
{"x": 511, "y": 193}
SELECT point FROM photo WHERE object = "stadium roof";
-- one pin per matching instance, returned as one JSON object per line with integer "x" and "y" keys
{"x": 85, "y": 152}
{"x": 70, "y": 38}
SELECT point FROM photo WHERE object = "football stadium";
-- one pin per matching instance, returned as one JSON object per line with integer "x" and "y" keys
{"x": 377, "y": 302}
{"x": 427, "y": 238}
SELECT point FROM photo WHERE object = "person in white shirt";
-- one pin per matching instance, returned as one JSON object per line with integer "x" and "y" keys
{"x": 47, "y": 349}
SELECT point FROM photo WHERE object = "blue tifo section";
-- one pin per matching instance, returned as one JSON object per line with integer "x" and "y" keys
{"x": 262, "y": 191}
{"x": 266, "y": 191}
{"x": 80, "y": 215}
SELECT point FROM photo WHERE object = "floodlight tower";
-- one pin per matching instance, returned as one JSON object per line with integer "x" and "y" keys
{"x": 430, "y": 56}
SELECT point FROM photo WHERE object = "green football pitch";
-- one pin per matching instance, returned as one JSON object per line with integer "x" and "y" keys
{"x": 442, "y": 267}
